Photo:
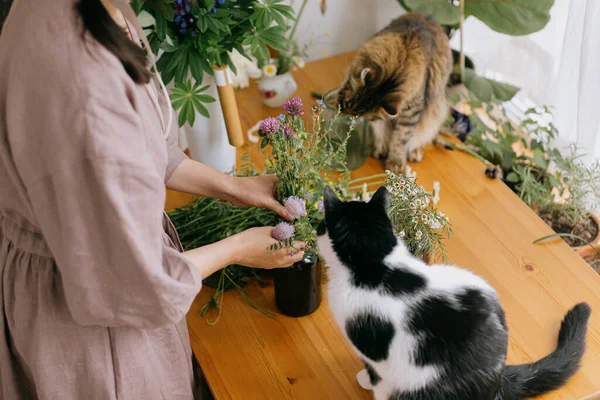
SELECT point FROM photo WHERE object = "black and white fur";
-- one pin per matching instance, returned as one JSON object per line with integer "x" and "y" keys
{"x": 427, "y": 332}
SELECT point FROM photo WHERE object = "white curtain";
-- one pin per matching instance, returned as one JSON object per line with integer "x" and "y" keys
{"x": 557, "y": 66}
{"x": 577, "y": 97}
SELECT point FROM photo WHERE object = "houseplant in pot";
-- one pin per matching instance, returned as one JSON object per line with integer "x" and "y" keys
{"x": 299, "y": 159}
{"x": 561, "y": 188}
{"x": 193, "y": 40}
{"x": 277, "y": 85}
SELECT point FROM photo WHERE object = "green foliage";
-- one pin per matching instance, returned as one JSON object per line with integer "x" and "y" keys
{"x": 443, "y": 11}
{"x": 208, "y": 43}
{"x": 511, "y": 17}
{"x": 487, "y": 89}
{"x": 535, "y": 170}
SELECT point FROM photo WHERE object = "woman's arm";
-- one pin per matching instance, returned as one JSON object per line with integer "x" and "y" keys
{"x": 257, "y": 191}
{"x": 196, "y": 178}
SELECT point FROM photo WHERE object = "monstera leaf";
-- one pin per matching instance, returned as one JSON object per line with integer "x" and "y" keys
{"x": 488, "y": 90}
{"x": 442, "y": 10}
{"x": 512, "y": 17}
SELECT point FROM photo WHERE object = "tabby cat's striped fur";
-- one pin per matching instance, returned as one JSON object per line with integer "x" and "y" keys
{"x": 398, "y": 82}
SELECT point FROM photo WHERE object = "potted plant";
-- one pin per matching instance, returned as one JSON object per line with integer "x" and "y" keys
{"x": 562, "y": 189}
{"x": 193, "y": 40}
{"x": 277, "y": 85}
{"x": 514, "y": 18}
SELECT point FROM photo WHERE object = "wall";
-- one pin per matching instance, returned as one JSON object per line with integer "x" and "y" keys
{"x": 346, "y": 25}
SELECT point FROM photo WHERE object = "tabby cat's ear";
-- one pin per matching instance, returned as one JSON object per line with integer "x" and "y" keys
{"x": 381, "y": 198}
{"x": 331, "y": 199}
{"x": 366, "y": 74}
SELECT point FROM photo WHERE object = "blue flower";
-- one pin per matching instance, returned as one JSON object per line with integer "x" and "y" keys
{"x": 221, "y": 2}
{"x": 213, "y": 10}
{"x": 281, "y": 117}
{"x": 321, "y": 102}
{"x": 462, "y": 124}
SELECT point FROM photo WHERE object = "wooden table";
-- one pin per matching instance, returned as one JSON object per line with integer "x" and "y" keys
{"x": 248, "y": 356}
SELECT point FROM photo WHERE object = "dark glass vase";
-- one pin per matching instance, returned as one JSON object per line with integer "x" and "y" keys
{"x": 298, "y": 288}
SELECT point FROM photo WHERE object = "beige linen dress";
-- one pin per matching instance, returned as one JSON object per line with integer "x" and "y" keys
{"x": 93, "y": 288}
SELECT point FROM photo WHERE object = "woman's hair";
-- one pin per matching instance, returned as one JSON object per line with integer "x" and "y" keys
{"x": 98, "y": 22}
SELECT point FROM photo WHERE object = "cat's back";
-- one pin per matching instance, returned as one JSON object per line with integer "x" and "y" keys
{"x": 419, "y": 23}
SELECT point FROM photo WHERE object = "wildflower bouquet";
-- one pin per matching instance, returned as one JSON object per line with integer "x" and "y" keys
{"x": 414, "y": 217}
{"x": 301, "y": 161}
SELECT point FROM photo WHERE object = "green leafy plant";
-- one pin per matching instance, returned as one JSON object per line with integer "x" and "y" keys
{"x": 511, "y": 17}
{"x": 190, "y": 37}
{"x": 562, "y": 188}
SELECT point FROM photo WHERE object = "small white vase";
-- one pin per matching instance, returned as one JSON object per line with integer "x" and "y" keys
{"x": 207, "y": 140}
{"x": 277, "y": 89}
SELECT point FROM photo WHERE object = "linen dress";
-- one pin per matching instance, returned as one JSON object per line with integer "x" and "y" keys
{"x": 93, "y": 288}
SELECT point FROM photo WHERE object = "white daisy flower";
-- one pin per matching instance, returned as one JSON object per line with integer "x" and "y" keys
{"x": 269, "y": 70}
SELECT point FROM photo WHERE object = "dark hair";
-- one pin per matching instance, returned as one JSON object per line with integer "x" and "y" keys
{"x": 105, "y": 30}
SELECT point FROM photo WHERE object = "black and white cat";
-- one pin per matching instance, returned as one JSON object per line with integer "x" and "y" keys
{"x": 427, "y": 332}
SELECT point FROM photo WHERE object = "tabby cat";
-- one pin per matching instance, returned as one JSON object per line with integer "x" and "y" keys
{"x": 398, "y": 82}
{"x": 427, "y": 332}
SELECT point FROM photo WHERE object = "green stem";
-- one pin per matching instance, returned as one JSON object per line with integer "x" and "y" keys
{"x": 464, "y": 149}
{"x": 366, "y": 178}
{"x": 293, "y": 32}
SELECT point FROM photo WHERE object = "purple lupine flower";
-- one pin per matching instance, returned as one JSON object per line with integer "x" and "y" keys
{"x": 184, "y": 20}
{"x": 289, "y": 131}
{"x": 283, "y": 231}
{"x": 293, "y": 106}
{"x": 295, "y": 206}
{"x": 269, "y": 126}
{"x": 462, "y": 124}
{"x": 321, "y": 206}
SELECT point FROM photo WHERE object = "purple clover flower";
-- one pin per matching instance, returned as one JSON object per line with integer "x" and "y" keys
{"x": 295, "y": 206}
{"x": 289, "y": 131}
{"x": 293, "y": 106}
{"x": 462, "y": 124}
{"x": 269, "y": 126}
{"x": 283, "y": 231}
{"x": 321, "y": 206}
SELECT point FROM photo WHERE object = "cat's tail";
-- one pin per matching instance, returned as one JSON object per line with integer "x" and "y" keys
{"x": 552, "y": 371}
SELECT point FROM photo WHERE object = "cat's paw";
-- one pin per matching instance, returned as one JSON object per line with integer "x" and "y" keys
{"x": 363, "y": 380}
{"x": 416, "y": 155}
{"x": 395, "y": 165}
{"x": 380, "y": 154}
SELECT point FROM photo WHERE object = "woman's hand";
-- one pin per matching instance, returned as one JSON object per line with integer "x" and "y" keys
{"x": 254, "y": 191}
{"x": 257, "y": 191}
{"x": 251, "y": 249}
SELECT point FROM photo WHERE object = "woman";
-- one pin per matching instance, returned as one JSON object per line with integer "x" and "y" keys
{"x": 93, "y": 287}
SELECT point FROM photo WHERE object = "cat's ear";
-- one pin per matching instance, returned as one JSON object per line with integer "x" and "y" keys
{"x": 389, "y": 110}
{"x": 381, "y": 198}
{"x": 366, "y": 74}
{"x": 330, "y": 199}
